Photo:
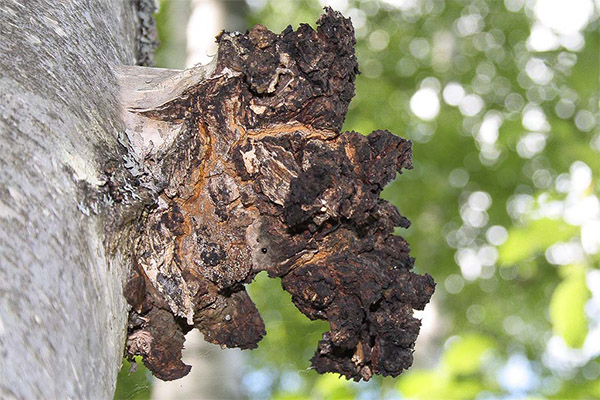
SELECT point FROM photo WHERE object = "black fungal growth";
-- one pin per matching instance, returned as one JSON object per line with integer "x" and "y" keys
{"x": 268, "y": 182}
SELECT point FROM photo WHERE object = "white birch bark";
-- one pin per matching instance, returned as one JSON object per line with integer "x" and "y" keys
{"x": 62, "y": 312}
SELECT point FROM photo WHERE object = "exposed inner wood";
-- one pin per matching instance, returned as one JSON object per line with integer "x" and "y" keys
{"x": 256, "y": 176}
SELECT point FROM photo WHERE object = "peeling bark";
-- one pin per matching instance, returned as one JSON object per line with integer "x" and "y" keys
{"x": 254, "y": 175}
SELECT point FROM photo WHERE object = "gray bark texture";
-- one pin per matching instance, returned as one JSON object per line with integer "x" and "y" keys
{"x": 62, "y": 312}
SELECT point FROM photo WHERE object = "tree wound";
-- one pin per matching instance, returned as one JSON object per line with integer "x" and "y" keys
{"x": 259, "y": 178}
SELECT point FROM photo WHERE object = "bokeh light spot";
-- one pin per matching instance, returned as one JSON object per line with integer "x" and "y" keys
{"x": 425, "y": 104}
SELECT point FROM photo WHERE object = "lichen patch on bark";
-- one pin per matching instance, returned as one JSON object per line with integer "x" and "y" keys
{"x": 260, "y": 178}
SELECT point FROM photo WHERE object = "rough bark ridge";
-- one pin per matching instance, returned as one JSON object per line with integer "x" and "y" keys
{"x": 258, "y": 177}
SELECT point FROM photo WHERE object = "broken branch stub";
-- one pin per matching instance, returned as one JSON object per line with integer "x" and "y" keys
{"x": 256, "y": 176}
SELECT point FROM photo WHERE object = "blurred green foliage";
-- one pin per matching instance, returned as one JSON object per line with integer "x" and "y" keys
{"x": 567, "y": 306}
{"x": 503, "y": 114}
{"x": 526, "y": 241}
{"x": 172, "y": 15}
{"x": 133, "y": 385}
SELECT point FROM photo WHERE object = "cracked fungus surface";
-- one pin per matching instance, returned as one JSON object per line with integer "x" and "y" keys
{"x": 261, "y": 179}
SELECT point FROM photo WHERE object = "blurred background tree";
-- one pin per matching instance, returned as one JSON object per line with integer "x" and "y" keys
{"x": 500, "y": 99}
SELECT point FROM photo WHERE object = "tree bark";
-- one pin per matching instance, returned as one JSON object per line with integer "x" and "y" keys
{"x": 62, "y": 312}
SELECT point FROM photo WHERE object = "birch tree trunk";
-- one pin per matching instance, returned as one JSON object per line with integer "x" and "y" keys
{"x": 62, "y": 312}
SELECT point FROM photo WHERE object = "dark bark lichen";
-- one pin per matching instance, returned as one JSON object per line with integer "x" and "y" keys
{"x": 265, "y": 181}
{"x": 146, "y": 33}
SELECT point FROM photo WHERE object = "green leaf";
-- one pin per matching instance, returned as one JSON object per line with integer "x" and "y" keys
{"x": 433, "y": 385}
{"x": 133, "y": 385}
{"x": 524, "y": 242}
{"x": 333, "y": 386}
{"x": 420, "y": 384}
{"x": 567, "y": 308}
{"x": 464, "y": 355}
{"x": 290, "y": 396}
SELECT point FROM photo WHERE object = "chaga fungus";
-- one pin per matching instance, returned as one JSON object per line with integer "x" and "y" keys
{"x": 261, "y": 179}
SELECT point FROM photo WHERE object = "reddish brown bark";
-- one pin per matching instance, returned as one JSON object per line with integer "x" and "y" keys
{"x": 260, "y": 178}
